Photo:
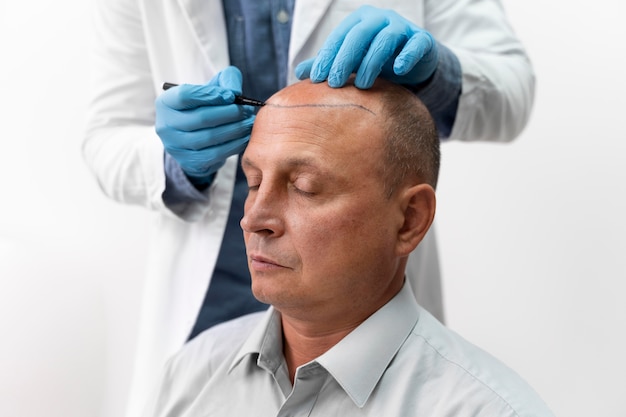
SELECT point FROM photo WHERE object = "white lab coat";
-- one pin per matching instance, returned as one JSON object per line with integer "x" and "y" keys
{"x": 140, "y": 44}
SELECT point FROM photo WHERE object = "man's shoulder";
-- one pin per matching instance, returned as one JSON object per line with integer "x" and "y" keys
{"x": 211, "y": 348}
{"x": 476, "y": 372}
{"x": 198, "y": 362}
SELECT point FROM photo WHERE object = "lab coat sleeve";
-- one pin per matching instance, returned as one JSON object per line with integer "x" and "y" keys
{"x": 498, "y": 79}
{"x": 120, "y": 146}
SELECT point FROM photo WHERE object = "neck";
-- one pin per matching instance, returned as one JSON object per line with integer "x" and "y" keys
{"x": 303, "y": 342}
{"x": 310, "y": 332}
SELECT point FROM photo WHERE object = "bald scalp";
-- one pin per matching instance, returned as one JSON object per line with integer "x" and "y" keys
{"x": 321, "y": 106}
{"x": 410, "y": 140}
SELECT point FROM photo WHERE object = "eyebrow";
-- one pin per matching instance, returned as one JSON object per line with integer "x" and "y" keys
{"x": 291, "y": 162}
{"x": 319, "y": 105}
{"x": 308, "y": 162}
{"x": 246, "y": 162}
{"x": 294, "y": 162}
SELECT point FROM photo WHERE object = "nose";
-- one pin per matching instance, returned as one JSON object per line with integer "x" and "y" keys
{"x": 263, "y": 212}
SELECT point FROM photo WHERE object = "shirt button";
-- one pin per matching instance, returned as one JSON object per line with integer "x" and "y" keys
{"x": 282, "y": 16}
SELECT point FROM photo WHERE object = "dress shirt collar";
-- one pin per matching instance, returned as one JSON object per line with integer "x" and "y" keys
{"x": 266, "y": 341}
{"x": 359, "y": 360}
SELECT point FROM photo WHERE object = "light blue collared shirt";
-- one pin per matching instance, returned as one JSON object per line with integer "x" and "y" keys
{"x": 399, "y": 362}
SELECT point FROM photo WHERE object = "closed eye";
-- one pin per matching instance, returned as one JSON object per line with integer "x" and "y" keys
{"x": 303, "y": 192}
{"x": 253, "y": 183}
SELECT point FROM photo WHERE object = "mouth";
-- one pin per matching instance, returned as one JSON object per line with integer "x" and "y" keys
{"x": 262, "y": 263}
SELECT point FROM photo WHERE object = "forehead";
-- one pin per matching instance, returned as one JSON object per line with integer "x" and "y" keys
{"x": 313, "y": 132}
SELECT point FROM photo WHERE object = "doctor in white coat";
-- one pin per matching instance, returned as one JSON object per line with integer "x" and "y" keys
{"x": 140, "y": 44}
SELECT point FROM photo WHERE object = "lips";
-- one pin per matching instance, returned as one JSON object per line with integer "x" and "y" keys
{"x": 263, "y": 259}
{"x": 264, "y": 263}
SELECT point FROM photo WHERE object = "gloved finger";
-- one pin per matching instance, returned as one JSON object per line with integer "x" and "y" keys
{"x": 303, "y": 70}
{"x": 189, "y": 96}
{"x": 201, "y": 117}
{"x": 229, "y": 78}
{"x": 202, "y": 139}
{"x": 201, "y": 163}
{"x": 327, "y": 53}
{"x": 382, "y": 49}
{"x": 416, "y": 49}
{"x": 354, "y": 48}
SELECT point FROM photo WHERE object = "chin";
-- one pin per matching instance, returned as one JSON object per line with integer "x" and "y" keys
{"x": 277, "y": 297}
{"x": 261, "y": 294}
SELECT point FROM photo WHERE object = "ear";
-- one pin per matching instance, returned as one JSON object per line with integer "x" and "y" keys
{"x": 418, "y": 203}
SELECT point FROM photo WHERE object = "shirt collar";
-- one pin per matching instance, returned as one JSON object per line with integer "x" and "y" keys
{"x": 359, "y": 360}
{"x": 266, "y": 341}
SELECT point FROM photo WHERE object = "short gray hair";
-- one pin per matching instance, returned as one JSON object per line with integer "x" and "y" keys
{"x": 411, "y": 148}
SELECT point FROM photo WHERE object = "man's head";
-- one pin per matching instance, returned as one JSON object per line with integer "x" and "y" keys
{"x": 341, "y": 191}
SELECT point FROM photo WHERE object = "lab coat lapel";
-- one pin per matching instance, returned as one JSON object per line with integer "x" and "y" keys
{"x": 307, "y": 15}
{"x": 207, "y": 20}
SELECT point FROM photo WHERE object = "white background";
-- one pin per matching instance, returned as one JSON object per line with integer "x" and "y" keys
{"x": 532, "y": 233}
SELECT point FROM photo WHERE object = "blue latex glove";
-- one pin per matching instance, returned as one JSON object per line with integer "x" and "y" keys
{"x": 373, "y": 42}
{"x": 200, "y": 126}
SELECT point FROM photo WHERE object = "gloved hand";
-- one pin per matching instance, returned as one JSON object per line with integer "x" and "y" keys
{"x": 200, "y": 126}
{"x": 373, "y": 42}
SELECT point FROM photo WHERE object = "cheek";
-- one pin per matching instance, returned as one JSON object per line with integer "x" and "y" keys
{"x": 333, "y": 238}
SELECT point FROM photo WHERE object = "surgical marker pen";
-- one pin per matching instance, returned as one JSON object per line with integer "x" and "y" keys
{"x": 238, "y": 99}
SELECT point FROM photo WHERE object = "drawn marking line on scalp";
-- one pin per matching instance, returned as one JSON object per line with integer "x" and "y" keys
{"x": 358, "y": 106}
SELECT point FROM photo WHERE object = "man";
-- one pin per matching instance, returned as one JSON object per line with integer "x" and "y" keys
{"x": 341, "y": 191}
{"x": 471, "y": 71}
